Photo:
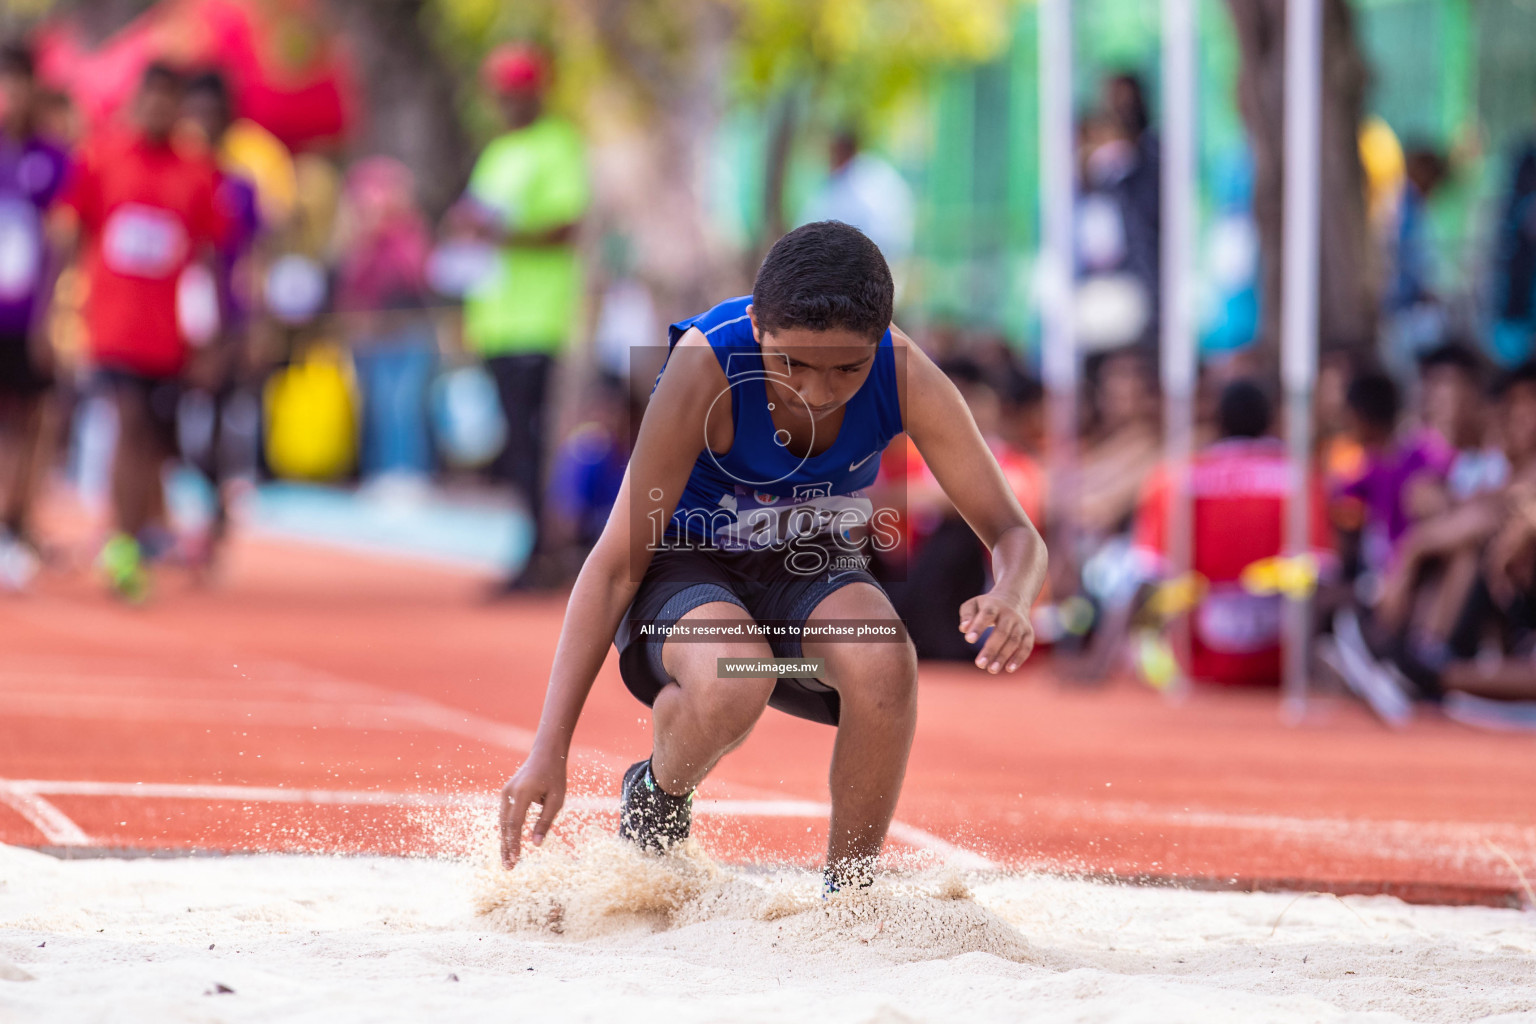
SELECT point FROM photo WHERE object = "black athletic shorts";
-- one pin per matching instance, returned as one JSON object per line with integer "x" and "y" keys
{"x": 161, "y": 397}
{"x": 19, "y": 375}
{"x": 761, "y": 582}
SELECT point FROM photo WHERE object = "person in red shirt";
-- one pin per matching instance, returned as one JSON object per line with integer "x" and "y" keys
{"x": 146, "y": 212}
{"x": 1241, "y": 485}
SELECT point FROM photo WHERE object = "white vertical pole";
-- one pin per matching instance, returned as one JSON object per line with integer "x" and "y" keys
{"x": 1298, "y": 311}
{"x": 1059, "y": 362}
{"x": 1179, "y": 357}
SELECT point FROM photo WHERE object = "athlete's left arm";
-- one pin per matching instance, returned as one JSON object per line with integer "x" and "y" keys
{"x": 936, "y": 417}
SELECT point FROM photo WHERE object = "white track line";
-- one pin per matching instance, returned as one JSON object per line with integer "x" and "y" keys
{"x": 331, "y": 703}
{"x": 1388, "y": 837}
{"x": 26, "y": 796}
{"x": 235, "y": 713}
{"x": 53, "y": 823}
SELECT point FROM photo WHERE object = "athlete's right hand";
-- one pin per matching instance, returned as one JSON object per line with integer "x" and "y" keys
{"x": 541, "y": 780}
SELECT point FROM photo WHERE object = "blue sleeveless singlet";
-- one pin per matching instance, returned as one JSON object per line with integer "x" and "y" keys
{"x": 758, "y": 492}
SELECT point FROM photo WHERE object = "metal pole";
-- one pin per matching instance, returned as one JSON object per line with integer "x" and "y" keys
{"x": 1059, "y": 362}
{"x": 1179, "y": 356}
{"x": 1298, "y": 313}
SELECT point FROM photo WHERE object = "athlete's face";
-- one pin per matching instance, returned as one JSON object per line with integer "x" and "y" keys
{"x": 15, "y": 97}
{"x": 157, "y": 108}
{"x": 814, "y": 372}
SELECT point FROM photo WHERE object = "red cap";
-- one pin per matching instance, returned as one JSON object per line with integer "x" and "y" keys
{"x": 516, "y": 67}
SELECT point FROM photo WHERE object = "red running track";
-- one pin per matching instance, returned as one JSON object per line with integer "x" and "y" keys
{"x": 316, "y": 700}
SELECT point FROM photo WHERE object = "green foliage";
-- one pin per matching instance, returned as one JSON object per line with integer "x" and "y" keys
{"x": 861, "y": 57}
{"x": 852, "y": 58}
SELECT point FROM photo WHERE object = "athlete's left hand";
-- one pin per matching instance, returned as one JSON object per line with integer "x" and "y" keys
{"x": 1013, "y": 635}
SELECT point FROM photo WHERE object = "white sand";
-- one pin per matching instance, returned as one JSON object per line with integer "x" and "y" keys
{"x": 602, "y": 936}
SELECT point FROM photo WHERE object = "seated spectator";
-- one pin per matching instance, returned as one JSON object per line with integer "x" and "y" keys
{"x": 1122, "y": 446}
{"x": 1483, "y": 548}
{"x": 1240, "y": 486}
{"x": 944, "y": 561}
{"x": 1392, "y": 466}
{"x": 1453, "y": 395}
{"x": 1436, "y": 558}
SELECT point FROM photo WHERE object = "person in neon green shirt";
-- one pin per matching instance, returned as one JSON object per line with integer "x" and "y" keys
{"x": 526, "y": 197}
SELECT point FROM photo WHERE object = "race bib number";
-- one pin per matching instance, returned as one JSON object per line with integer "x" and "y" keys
{"x": 21, "y": 250}
{"x": 143, "y": 241}
{"x": 768, "y": 525}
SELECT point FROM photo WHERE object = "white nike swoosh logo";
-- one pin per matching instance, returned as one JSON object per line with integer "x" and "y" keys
{"x": 861, "y": 462}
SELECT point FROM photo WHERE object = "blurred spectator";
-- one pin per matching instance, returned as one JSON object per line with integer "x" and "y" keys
{"x": 1455, "y": 408}
{"x": 146, "y": 213}
{"x": 1413, "y": 314}
{"x": 527, "y": 195}
{"x": 864, "y": 190}
{"x": 1456, "y": 612}
{"x": 1514, "y": 271}
{"x": 1122, "y": 445}
{"x": 943, "y": 559}
{"x": 626, "y": 312}
{"x": 381, "y": 291}
{"x": 31, "y": 174}
{"x": 1239, "y": 487}
{"x": 1118, "y": 217}
{"x": 1393, "y": 469}
{"x": 588, "y": 467}
{"x": 219, "y": 420}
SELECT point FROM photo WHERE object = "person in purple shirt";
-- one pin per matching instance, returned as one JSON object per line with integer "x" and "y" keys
{"x": 1392, "y": 466}
{"x": 32, "y": 171}
{"x": 226, "y": 449}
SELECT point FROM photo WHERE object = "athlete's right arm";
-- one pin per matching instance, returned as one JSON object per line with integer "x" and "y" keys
{"x": 672, "y": 434}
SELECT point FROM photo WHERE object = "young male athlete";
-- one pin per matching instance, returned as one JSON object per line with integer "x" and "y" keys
{"x": 145, "y": 211}
{"x": 743, "y": 508}
{"x": 31, "y": 173}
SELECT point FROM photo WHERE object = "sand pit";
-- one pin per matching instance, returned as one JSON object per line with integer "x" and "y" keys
{"x": 592, "y": 934}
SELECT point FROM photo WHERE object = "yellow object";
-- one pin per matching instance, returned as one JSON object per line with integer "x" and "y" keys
{"x": 1177, "y": 596}
{"x": 1155, "y": 661}
{"x": 261, "y": 156}
{"x": 312, "y": 416}
{"x": 1296, "y": 577}
{"x": 1381, "y": 154}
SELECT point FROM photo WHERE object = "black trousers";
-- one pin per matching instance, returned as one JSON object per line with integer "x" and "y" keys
{"x": 522, "y": 382}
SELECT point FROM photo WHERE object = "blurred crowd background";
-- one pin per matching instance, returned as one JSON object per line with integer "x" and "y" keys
{"x": 417, "y": 250}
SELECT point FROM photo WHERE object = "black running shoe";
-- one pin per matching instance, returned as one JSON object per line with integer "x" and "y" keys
{"x": 847, "y": 878}
{"x": 650, "y": 817}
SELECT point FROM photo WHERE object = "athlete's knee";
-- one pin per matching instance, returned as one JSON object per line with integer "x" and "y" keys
{"x": 882, "y": 676}
{"x": 725, "y": 704}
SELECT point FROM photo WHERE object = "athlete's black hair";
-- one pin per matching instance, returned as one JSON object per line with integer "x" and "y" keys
{"x": 1524, "y": 374}
{"x": 161, "y": 75}
{"x": 16, "y": 59}
{"x": 821, "y": 277}
{"x": 1374, "y": 398}
{"x": 1243, "y": 410}
{"x": 1455, "y": 355}
{"x": 210, "y": 83}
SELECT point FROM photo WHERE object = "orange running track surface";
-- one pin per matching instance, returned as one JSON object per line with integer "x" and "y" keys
{"x": 317, "y": 700}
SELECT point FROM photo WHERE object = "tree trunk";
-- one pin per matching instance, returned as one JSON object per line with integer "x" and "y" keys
{"x": 783, "y": 121}
{"x": 410, "y": 95}
{"x": 653, "y": 124}
{"x": 1347, "y": 299}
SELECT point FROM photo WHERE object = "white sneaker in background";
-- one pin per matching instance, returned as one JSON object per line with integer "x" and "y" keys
{"x": 1382, "y": 687}
{"x": 18, "y": 563}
